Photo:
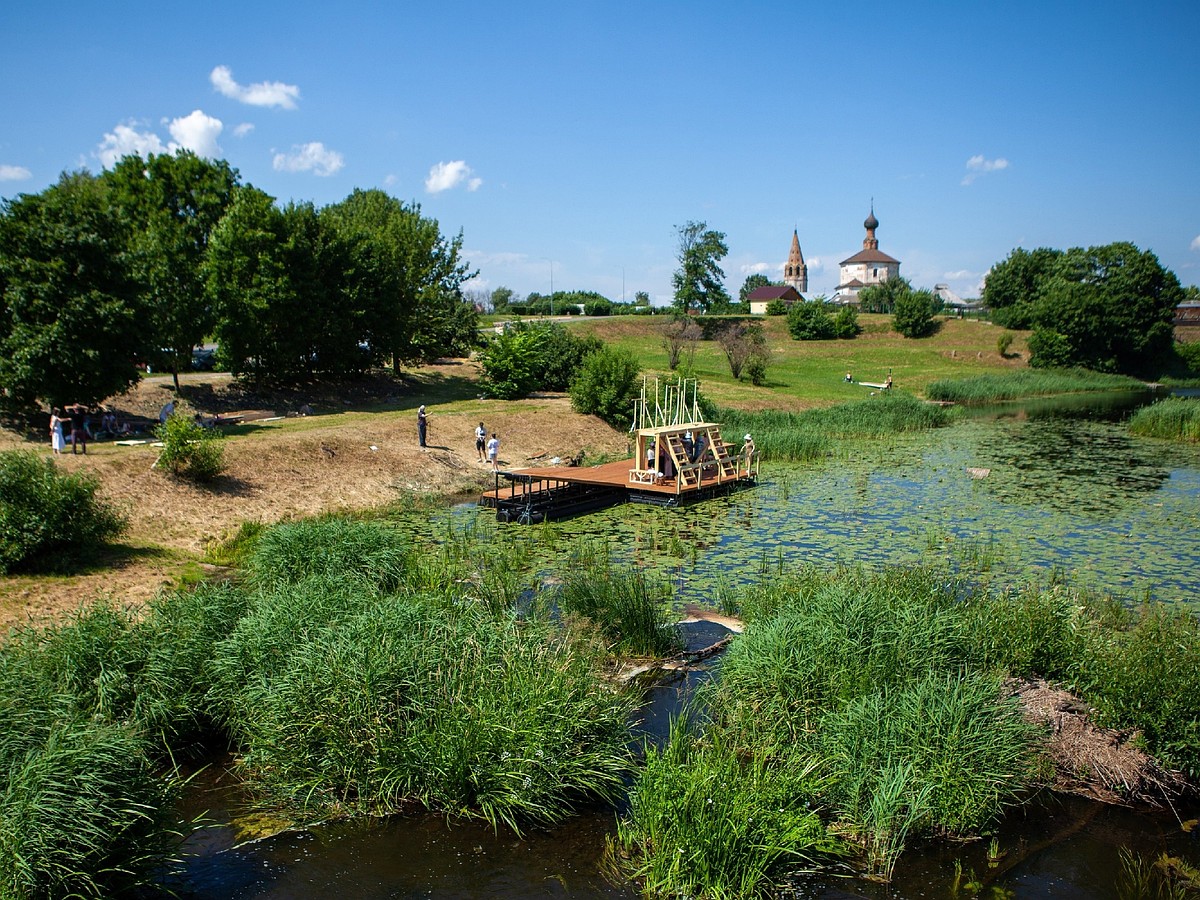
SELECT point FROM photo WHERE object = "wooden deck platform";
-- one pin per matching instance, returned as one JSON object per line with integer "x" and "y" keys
{"x": 559, "y": 492}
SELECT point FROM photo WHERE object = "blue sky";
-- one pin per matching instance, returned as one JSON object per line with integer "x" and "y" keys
{"x": 569, "y": 140}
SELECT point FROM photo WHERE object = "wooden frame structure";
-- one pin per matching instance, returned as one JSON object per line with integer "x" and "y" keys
{"x": 677, "y": 458}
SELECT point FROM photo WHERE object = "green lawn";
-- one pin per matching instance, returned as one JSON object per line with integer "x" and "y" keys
{"x": 812, "y": 373}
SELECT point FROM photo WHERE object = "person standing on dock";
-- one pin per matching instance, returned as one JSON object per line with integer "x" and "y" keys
{"x": 422, "y": 426}
{"x": 748, "y": 450}
{"x": 493, "y": 450}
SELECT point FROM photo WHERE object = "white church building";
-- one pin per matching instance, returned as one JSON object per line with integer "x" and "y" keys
{"x": 868, "y": 266}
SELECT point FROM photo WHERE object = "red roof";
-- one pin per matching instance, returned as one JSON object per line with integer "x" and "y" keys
{"x": 775, "y": 292}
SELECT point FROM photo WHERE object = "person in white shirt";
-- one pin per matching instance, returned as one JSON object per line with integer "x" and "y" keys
{"x": 493, "y": 449}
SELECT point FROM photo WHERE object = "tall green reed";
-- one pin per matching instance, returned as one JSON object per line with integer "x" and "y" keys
{"x": 708, "y": 819}
{"x": 1027, "y": 383}
{"x": 1173, "y": 419}
{"x": 628, "y": 608}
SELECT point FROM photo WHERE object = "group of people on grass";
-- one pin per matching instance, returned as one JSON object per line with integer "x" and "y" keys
{"x": 487, "y": 448}
{"x": 73, "y": 425}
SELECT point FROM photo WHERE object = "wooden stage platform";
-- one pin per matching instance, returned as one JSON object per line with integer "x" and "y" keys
{"x": 559, "y": 492}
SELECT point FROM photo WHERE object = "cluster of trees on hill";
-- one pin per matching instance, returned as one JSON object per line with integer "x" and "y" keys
{"x": 1109, "y": 308}
{"x": 138, "y": 265}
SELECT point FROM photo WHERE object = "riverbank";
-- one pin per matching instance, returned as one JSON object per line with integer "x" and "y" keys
{"x": 356, "y": 451}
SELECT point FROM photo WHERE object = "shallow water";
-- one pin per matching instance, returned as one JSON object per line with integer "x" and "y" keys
{"x": 1066, "y": 490}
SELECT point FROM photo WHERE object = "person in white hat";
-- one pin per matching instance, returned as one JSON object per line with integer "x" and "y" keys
{"x": 748, "y": 451}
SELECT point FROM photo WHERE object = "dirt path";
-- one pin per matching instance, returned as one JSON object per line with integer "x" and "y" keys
{"x": 357, "y": 452}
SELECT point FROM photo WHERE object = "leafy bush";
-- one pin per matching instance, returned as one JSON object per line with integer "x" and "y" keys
{"x": 528, "y": 357}
{"x": 845, "y": 323}
{"x": 190, "y": 451}
{"x": 777, "y": 308}
{"x": 43, "y": 509}
{"x": 913, "y": 315}
{"x": 810, "y": 321}
{"x": 607, "y": 386}
{"x": 1004, "y": 342}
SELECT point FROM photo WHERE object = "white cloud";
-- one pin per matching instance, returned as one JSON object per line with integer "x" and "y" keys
{"x": 244, "y": 129}
{"x": 125, "y": 140}
{"x": 196, "y": 132}
{"x": 313, "y": 157}
{"x": 391, "y": 181}
{"x": 20, "y": 173}
{"x": 959, "y": 275}
{"x": 265, "y": 93}
{"x": 977, "y": 166}
{"x": 760, "y": 268}
{"x": 445, "y": 176}
{"x": 1196, "y": 242}
{"x": 815, "y": 263}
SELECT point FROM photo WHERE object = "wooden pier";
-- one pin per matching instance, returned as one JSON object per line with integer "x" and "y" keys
{"x": 677, "y": 460}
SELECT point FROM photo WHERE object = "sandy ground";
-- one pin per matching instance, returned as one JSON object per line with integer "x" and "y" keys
{"x": 358, "y": 451}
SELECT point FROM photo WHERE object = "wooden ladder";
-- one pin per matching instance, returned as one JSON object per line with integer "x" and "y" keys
{"x": 728, "y": 463}
{"x": 688, "y": 476}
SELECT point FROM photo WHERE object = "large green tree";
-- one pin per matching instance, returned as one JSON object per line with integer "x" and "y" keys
{"x": 73, "y": 326}
{"x": 1109, "y": 308}
{"x": 882, "y": 297}
{"x": 913, "y": 314}
{"x": 1012, "y": 286}
{"x": 700, "y": 281}
{"x": 172, "y": 203}
{"x": 246, "y": 273}
{"x": 751, "y": 284}
{"x": 405, "y": 278}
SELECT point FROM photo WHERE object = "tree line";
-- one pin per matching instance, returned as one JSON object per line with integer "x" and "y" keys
{"x": 101, "y": 275}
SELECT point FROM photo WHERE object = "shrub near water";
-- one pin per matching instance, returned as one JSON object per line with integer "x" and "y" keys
{"x": 43, "y": 509}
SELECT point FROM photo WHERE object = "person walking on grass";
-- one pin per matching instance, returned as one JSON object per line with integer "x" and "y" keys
{"x": 481, "y": 442}
{"x": 422, "y": 425}
{"x": 493, "y": 450}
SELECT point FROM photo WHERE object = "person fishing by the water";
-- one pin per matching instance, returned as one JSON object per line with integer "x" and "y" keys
{"x": 422, "y": 425}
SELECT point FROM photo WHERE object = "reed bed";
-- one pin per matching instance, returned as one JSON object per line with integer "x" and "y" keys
{"x": 629, "y": 609}
{"x": 707, "y": 819}
{"x": 83, "y": 804}
{"x": 344, "y": 548}
{"x": 1172, "y": 419}
{"x": 1019, "y": 383}
{"x": 406, "y": 699}
{"x": 867, "y": 678}
{"x": 797, "y": 437}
